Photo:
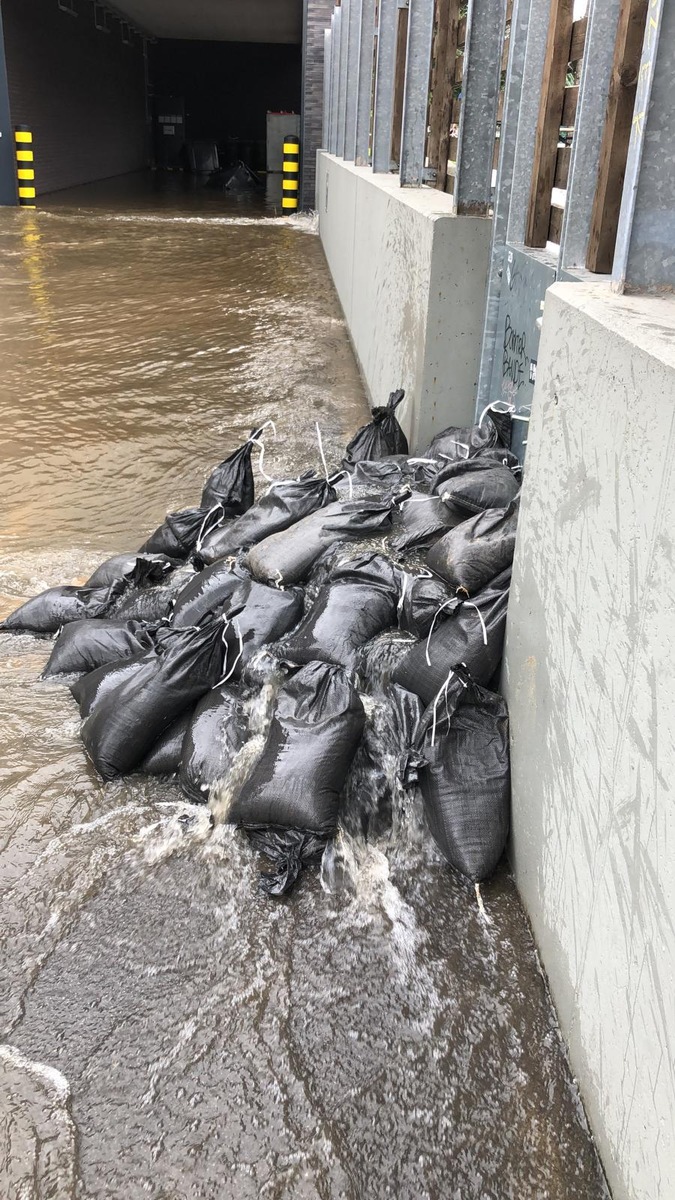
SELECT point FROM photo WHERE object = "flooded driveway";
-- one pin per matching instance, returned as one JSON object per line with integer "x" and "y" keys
{"x": 167, "y": 1031}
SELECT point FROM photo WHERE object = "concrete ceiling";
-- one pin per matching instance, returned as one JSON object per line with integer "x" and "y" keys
{"x": 218, "y": 20}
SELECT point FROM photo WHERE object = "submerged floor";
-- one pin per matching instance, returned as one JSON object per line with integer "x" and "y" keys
{"x": 168, "y": 1032}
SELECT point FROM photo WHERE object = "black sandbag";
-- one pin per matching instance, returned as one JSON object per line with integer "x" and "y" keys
{"x": 477, "y": 484}
{"x": 380, "y": 766}
{"x": 381, "y": 436}
{"x": 421, "y": 521}
{"x": 137, "y": 568}
{"x": 82, "y": 646}
{"x": 359, "y": 600}
{"x": 418, "y": 471}
{"x": 59, "y": 606}
{"x": 150, "y": 604}
{"x": 283, "y": 505}
{"x": 472, "y": 554}
{"x": 424, "y": 600}
{"x": 216, "y": 732}
{"x": 178, "y": 534}
{"x": 230, "y": 484}
{"x": 90, "y": 689}
{"x": 377, "y": 477}
{"x": 458, "y": 444}
{"x": 209, "y": 590}
{"x": 461, "y": 443}
{"x": 165, "y": 756}
{"x": 267, "y": 615}
{"x": 465, "y": 779}
{"x": 129, "y": 715}
{"x": 315, "y": 730}
{"x": 289, "y": 851}
{"x": 472, "y": 634}
{"x": 286, "y": 558}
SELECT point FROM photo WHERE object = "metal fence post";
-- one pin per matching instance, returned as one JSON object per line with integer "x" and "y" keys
{"x": 365, "y": 82}
{"x": 528, "y": 115}
{"x": 353, "y": 46}
{"x": 384, "y": 85}
{"x": 325, "y": 125}
{"x": 416, "y": 91}
{"x": 644, "y": 258}
{"x": 502, "y": 201}
{"x": 335, "y": 86}
{"x": 596, "y": 74}
{"x": 478, "y": 114}
{"x": 342, "y": 93}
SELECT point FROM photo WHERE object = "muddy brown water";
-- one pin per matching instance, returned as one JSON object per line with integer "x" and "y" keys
{"x": 166, "y": 1031}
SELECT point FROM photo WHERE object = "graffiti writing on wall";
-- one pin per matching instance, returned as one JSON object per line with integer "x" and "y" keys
{"x": 515, "y": 363}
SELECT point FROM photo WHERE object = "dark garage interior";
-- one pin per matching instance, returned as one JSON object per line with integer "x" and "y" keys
{"x": 111, "y": 89}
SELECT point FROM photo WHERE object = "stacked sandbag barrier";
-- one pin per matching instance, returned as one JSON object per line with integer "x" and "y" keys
{"x": 376, "y": 599}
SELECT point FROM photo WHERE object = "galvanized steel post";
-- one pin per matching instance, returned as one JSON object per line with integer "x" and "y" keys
{"x": 383, "y": 109}
{"x": 596, "y": 73}
{"x": 335, "y": 79}
{"x": 353, "y": 48}
{"x": 365, "y": 82}
{"x": 503, "y": 191}
{"x": 528, "y": 115}
{"x": 342, "y": 94}
{"x": 644, "y": 258}
{"x": 325, "y": 116}
{"x": 416, "y": 92}
{"x": 478, "y": 114}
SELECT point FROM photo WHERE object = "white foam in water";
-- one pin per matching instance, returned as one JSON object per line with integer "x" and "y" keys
{"x": 39, "y": 1144}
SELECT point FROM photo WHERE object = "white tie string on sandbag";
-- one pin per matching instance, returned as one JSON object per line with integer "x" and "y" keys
{"x": 323, "y": 457}
{"x": 228, "y": 674}
{"x": 404, "y": 586}
{"x": 439, "y": 610}
{"x": 471, "y": 604}
{"x": 205, "y": 528}
{"x": 257, "y": 441}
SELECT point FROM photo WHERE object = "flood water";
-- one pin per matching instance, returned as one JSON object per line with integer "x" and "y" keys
{"x": 167, "y": 1031}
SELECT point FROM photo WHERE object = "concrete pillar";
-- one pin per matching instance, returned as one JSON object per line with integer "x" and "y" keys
{"x": 7, "y": 161}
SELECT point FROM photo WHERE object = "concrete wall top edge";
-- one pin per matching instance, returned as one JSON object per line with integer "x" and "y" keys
{"x": 647, "y": 322}
{"x": 424, "y": 200}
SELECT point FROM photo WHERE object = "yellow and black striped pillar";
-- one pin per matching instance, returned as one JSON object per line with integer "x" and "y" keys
{"x": 25, "y": 166}
{"x": 291, "y": 177}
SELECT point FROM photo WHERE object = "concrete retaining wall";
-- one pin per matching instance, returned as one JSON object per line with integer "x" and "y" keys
{"x": 411, "y": 280}
{"x": 590, "y": 679}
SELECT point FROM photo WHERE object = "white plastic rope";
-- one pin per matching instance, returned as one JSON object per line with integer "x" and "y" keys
{"x": 471, "y": 604}
{"x": 203, "y": 529}
{"x": 237, "y": 630}
{"x": 433, "y": 623}
{"x": 323, "y": 457}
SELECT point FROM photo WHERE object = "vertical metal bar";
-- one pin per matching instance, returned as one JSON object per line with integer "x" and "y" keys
{"x": 483, "y": 47}
{"x": 325, "y": 124}
{"x": 342, "y": 95}
{"x": 416, "y": 93}
{"x": 384, "y": 85}
{"x": 353, "y": 56}
{"x": 336, "y": 80}
{"x": 8, "y": 193}
{"x": 365, "y": 81}
{"x": 644, "y": 257}
{"x": 596, "y": 71}
{"x": 593, "y": 88}
{"x": 528, "y": 115}
{"x": 502, "y": 203}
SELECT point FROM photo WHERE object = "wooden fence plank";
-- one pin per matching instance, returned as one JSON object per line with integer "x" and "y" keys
{"x": 548, "y": 125}
{"x": 399, "y": 84}
{"x": 442, "y": 83}
{"x": 616, "y": 135}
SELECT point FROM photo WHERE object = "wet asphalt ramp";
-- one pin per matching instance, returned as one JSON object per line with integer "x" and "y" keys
{"x": 168, "y": 1032}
